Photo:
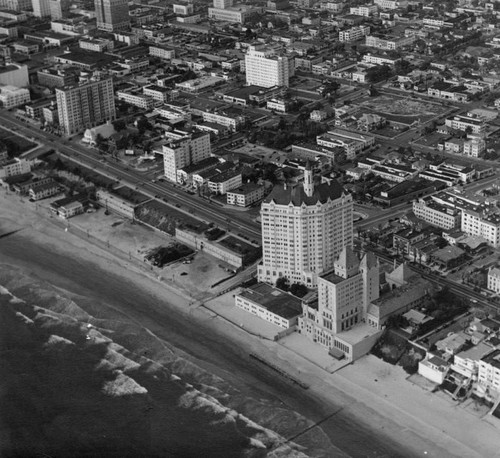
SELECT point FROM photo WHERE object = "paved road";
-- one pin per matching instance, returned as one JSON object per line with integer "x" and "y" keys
{"x": 192, "y": 204}
{"x": 457, "y": 288}
{"x": 400, "y": 209}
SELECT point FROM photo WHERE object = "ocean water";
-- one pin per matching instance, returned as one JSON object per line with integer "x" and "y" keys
{"x": 142, "y": 380}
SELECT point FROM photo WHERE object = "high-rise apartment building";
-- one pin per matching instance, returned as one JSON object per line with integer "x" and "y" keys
{"x": 265, "y": 68}
{"x": 112, "y": 15}
{"x": 59, "y": 9}
{"x": 184, "y": 151}
{"x": 304, "y": 228}
{"x": 85, "y": 105}
{"x": 41, "y": 8}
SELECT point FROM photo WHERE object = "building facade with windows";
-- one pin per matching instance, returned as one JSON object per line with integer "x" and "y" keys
{"x": 304, "y": 228}
{"x": 112, "y": 15}
{"x": 263, "y": 67}
{"x": 337, "y": 320}
{"x": 85, "y": 105}
{"x": 494, "y": 279}
{"x": 184, "y": 151}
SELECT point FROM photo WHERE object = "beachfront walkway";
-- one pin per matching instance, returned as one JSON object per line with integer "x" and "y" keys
{"x": 376, "y": 392}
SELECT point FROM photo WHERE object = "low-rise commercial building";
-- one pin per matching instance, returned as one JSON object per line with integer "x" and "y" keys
{"x": 14, "y": 167}
{"x": 225, "y": 181}
{"x": 38, "y": 191}
{"x": 270, "y": 304}
{"x": 116, "y": 204}
{"x": 12, "y": 96}
{"x": 245, "y": 195}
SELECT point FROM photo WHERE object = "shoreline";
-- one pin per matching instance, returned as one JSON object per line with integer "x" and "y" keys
{"x": 339, "y": 389}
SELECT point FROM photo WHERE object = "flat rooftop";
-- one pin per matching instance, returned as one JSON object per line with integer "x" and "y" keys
{"x": 274, "y": 300}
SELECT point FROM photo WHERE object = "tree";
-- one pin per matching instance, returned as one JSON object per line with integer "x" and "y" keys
{"x": 282, "y": 125}
{"x": 119, "y": 125}
{"x": 402, "y": 67}
{"x": 100, "y": 142}
{"x": 143, "y": 125}
{"x": 282, "y": 283}
{"x": 298, "y": 289}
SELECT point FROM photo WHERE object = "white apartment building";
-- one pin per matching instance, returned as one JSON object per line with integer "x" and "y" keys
{"x": 388, "y": 43}
{"x": 146, "y": 102}
{"x": 14, "y": 167}
{"x": 483, "y": 222}
{"x": 85, "y": 105}
{"x": 245, "y": 195}
{"x": 280, "y": 106}
{"x": 433, "y": 23}
{"x": 391, "y": 4}
{"x": 488, "y": 377}
{"x": 184, "y": 151}
{"x": 263, "y": 67}
{"x": 161, "y": 52}
{"x": 304, "y": 228}
{"x": 350, "y": 142}
{"x": 231, "y": 121}
{"x": 159, "y": 93}
{"x": 226, "y": 11}
{"x": 439, "y": 215}
{"x": 354, "y": 33}
{"x": 379, "y": 60}
{"x": 223, "y": 4}
{"x": 172, "y": 113}
{"x": 474, "y": 147}
{"x": 343, "y": 297}
{"x": 225, "y": 181}
{"x": 96, "y": 45}
{"x": 12, "y": 96}
{"x": 494, "y": 279}
{"x": 470, "y": 122}
{"x": 364, "y": 10}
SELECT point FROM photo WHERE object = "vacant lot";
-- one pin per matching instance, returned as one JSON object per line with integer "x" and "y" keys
{"x": 403, "y": 110}
{"x": 14, "y": 143}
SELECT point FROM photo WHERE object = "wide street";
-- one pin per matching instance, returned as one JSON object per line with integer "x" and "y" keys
{"x": 193, "y": 205}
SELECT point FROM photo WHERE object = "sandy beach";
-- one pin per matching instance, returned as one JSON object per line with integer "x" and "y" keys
{"x": 369, "y": 394}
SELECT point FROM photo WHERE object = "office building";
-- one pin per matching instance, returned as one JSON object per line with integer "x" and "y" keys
{"x": 85, "y": 105}
{"x": 183, "y": 151}
{"x": 41, "y": 8}
{"x": 265, "y": 68}
{"x": 304, "y": 228}
{"x": 112, "y": 15}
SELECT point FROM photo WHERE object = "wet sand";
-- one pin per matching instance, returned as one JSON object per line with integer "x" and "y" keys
{"x": 117, "y": 289}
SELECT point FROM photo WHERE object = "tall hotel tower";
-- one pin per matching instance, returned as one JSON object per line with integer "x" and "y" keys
{"x": 304, "y": 229}
{"x": 112, "y": 15}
